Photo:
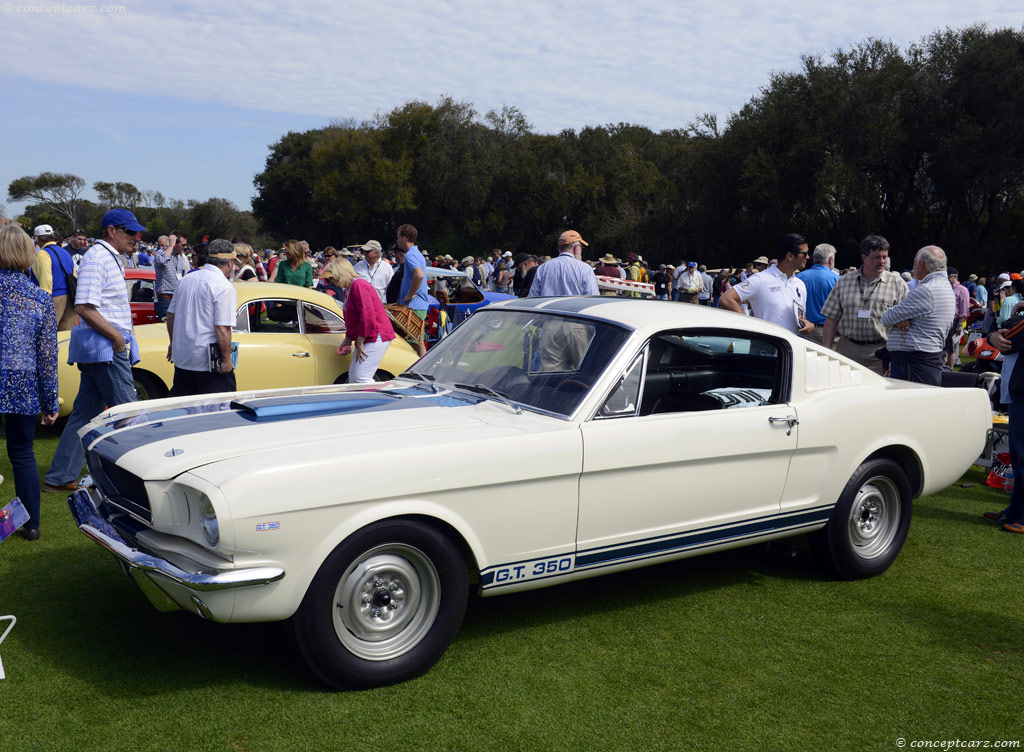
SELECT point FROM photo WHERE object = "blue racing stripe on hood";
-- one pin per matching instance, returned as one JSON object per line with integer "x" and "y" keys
{"x": 170, "y": 424}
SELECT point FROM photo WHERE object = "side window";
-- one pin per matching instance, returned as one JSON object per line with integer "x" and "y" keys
{"x": 691, "y": 371}
{"x": 625, "y": 397}
{"x": 317, "y": 320}
{"x": 242, "y": 318}
{"x": 145, "y": 291}
{"x": 267, "y": 316}
{"x": 468, "y": 293}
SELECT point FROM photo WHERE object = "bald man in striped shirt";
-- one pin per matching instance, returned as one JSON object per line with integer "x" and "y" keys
{"x": 921, "y": 321}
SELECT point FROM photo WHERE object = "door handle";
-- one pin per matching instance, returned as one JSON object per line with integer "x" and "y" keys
{"x": 790, "y": 420}
{"x": 300, "y": 355}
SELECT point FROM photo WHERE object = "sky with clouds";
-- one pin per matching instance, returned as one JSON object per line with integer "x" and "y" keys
{"x": 185, "y": 96}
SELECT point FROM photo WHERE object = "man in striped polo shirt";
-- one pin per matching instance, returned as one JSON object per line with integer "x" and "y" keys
{"x": 919, "y": 324}
{"x": 102, "y": 344}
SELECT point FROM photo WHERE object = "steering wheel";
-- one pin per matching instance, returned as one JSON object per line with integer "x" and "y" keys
{"x": 504, "y": 377}
{"x": 572, "y": 386}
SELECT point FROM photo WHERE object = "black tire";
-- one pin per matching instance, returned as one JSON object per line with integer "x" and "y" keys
{"x": 869, "y": 523}
{"x": 148, "y": 386}
{"x": 384, "y": 606}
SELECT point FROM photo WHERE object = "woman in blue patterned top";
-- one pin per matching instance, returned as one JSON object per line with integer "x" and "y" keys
{"x": 28, "y": 365}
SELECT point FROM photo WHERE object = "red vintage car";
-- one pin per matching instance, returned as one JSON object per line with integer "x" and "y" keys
{"x": 141, "y": 294}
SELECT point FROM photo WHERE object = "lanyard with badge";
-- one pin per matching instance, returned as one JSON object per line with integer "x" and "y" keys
{"x": 869, "y": 299}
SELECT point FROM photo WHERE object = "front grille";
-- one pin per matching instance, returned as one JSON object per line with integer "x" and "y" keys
{"x": 121, "y": 489}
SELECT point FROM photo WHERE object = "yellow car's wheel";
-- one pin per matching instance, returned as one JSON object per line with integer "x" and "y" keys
{"x": 148, "y": 386}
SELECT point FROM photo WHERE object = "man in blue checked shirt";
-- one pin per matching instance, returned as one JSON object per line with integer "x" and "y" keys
{"x": 102, "y": 344}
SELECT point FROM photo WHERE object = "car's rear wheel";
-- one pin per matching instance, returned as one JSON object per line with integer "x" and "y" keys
{"x": 384, "y": 607}
{"x": 148, "y": 386}
{"x": 869, "y": 524}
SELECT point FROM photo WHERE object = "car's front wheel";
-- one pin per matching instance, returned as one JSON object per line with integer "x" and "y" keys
{"x": 869, "y": 524}
{"x": 384, "y": 606}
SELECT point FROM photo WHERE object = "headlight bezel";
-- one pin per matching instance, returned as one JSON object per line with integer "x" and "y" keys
{"x": 208, "y": 521}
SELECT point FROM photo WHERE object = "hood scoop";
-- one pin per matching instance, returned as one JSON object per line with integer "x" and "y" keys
{"x": 264, "y": 409}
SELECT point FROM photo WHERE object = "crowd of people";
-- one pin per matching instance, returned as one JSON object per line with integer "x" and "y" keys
{"x": 905, "y": 325}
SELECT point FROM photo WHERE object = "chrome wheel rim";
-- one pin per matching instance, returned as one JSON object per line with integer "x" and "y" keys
{"x": 874, "y": 517}
{"x": 386, "y": 602}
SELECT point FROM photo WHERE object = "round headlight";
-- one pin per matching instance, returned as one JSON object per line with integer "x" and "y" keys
{"x": 208, "y": 520}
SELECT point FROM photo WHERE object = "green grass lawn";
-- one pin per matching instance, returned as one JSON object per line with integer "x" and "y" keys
{"x": 743, "y": 650}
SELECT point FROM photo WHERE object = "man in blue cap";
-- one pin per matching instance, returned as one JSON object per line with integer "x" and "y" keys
{"x": 102, "y": 344}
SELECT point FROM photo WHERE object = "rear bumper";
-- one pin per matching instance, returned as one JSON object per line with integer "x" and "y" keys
{"x": 168, "y": 586}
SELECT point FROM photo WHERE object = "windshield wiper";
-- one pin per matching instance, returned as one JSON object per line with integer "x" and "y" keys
{"x": 484, "y": 389}
{"x": 421, "y": 376}
{"x": 417, "y": 375}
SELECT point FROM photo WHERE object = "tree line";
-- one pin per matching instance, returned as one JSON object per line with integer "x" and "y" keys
{"x": 58, "y": 202}
{"x": 923, "y": 146}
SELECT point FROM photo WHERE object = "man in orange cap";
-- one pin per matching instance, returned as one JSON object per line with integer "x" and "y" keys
{"x": 565, "y": 274}
{"x": 563, "y": 343}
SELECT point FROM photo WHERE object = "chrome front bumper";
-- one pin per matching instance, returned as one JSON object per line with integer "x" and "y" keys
{"x": 157, "y": 576}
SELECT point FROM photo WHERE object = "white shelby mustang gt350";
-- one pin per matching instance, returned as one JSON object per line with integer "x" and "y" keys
{"x": 641, "y": 431}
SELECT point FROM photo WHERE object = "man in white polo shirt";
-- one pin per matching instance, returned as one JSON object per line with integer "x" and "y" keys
{"x": 776, "y": 294}
{"x": 199, "y": 323}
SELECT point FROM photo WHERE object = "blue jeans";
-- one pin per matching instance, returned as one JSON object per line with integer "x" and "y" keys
{"x": 1015, "y": 512}
{"x": 103, "y": 385}
{"x": 160, "y": 306}
{"x": 20, "y": 429}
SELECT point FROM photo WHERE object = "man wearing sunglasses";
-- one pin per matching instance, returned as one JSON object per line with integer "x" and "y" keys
{"x": 776, "y": 294}
{"x": 102, "y": 344}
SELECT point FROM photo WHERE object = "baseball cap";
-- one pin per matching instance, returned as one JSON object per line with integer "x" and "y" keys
{"x": 951, "y": 270}
{"x": 122, "y": 218}
{"x": 1004, "y": 277}
{"x": 507, "y": 254}
{"x": 571, "y": 236}
{"x": 691, "y": 265}
{"x": 42, "y": 230}
{"x": 370, "y": 245}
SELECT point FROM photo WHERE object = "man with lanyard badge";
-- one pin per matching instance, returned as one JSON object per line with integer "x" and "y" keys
{"x": 374, "y": 269}
{"x": 854, "y": 308}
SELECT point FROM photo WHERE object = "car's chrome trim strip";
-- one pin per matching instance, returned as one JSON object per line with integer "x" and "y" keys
{"x": 94, "y": 526}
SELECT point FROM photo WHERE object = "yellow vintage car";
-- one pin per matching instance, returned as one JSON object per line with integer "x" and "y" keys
{"x": 286, "y": 336}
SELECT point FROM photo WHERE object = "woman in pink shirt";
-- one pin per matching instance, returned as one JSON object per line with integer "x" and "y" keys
{"x": 368, "y": 328}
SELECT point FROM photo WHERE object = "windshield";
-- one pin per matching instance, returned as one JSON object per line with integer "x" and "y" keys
{"x": 539, "y": 360}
